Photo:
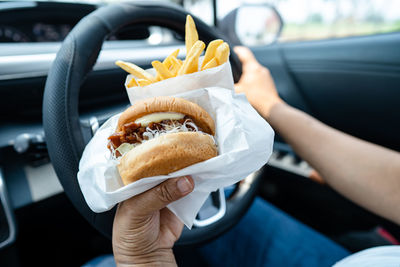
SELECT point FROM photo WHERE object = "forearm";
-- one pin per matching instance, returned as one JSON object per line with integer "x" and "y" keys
{"x": 365, "y": 173}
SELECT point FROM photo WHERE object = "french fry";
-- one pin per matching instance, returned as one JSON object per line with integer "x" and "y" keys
{"x": 191, "y": 36}
{"x": 210, "y": 52}
{"x": 135, "y": 70}
{"x": 162, "y": 71}
{"x": 175, "y": 53}
{"x": 167, "y": 61}
{"x": 175, "y": 66}
{"x": 216, "y": 54}
{"x": 143, "y": 82}
{"x": 191, "y": 63}
{"x": 132, "y": 83}
{"x": 222, "y": 53}
{"x": 211, "y": 64}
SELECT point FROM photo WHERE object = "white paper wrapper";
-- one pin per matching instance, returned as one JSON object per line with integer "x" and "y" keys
{"x": 244, "y": 143}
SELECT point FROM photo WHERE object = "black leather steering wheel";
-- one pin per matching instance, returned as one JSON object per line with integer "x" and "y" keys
{"x": 62, "y": 127}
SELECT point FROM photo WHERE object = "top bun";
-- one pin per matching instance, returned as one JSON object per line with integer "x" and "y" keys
{"x": 168, "y": 104}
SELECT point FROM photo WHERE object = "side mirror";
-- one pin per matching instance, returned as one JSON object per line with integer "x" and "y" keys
{"x": 252, "y": 25}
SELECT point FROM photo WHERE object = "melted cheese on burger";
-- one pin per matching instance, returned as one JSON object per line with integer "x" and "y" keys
{"x": 159, "y": 116}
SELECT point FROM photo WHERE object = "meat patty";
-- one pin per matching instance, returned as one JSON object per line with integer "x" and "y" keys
{"x": 134, "y": 133}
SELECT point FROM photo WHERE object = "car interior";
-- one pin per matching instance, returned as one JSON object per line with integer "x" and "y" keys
{"x": 348, "y": 82}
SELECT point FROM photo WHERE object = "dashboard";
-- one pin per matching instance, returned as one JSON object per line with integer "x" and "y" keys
{"x": 31, "y": 33}
{"x": 22, "y": 21}
{"x": 36, "y": 32}
{"x": 39, "y": 21}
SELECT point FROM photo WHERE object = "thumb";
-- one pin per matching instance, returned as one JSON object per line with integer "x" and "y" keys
{"x": 160, "y": 196}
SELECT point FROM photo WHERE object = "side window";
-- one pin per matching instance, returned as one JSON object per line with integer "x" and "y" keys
{"x": 305, "y": 20}
{"x": 324, "y": 19}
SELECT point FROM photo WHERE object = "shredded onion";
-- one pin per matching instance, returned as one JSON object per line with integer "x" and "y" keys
{"x": 174, "y": 127}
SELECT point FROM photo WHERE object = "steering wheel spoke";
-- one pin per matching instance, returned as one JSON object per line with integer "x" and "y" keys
{"x": 216, "y": 204}
{"x": 89, "y": 128}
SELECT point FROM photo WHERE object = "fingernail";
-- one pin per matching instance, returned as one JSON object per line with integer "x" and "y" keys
{"x": 184, "y": 185}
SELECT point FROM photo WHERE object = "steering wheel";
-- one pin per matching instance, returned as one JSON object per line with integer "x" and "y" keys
{"x": 64, "y": 132}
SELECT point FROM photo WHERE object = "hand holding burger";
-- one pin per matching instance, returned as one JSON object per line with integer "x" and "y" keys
{"x": 144, "y": 230}
{"x": 156, "y": 136}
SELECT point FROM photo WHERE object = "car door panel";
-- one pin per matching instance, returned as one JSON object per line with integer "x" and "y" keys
{"x": 352, "y": 84}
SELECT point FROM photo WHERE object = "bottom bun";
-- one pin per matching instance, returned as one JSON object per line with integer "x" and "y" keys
{"x": 166, "y": 154}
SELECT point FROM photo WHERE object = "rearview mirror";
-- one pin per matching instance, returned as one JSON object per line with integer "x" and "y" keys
{"x": 252, "y": 25}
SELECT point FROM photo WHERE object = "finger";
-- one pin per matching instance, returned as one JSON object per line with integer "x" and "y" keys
{"x": 159, "y": 196}
{"x": 170, "y": 225}
{"x": 245, "y": 55}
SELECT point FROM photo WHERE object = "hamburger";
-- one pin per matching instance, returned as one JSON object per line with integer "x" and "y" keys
{"x": 160, "y": 135}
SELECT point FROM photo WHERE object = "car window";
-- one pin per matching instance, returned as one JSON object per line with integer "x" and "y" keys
{"x": 203, "y": 9}
{"x": 324, "y": 19}
{"x": 321, "y": 19}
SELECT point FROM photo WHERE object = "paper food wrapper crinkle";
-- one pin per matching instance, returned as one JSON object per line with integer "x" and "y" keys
{"x": 244, "y": 141}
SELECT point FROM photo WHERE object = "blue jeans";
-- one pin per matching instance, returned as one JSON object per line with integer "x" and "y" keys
{"x": 265, "y": 236}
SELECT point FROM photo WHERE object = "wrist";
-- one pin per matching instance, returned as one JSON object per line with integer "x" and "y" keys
{"x": 265, "y": 108}
{"x": 276, "y": 113}
{"x": 160, "y": 258}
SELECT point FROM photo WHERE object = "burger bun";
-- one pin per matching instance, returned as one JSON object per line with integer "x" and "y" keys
{"x": 166, "y": 154}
